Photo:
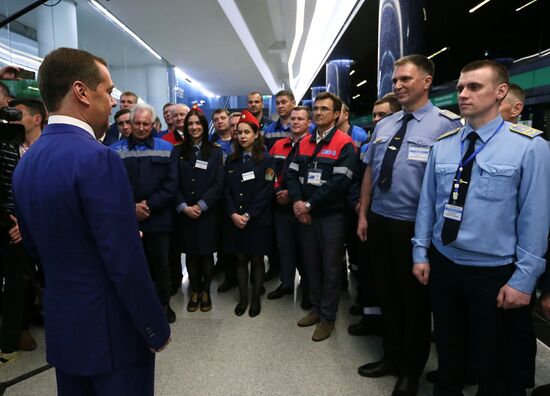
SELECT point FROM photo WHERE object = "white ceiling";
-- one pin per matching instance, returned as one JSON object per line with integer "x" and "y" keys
{"x": 205, "y": 38}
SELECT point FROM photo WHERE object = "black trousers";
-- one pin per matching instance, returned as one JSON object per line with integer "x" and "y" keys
{"x": 174, "y": 256}
{"x": 406, "y": 319}
{"x": 157, "y": 248}
{"x": 323, "y": 246}
{"x": 465, "y": 311}
{"x": 366, "y": 285}
{"x": 287, "y": 230}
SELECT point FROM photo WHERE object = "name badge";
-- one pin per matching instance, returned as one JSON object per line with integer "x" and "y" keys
{"x": 201, "y": 164}
{"x": 248, "y": 176}
{"x": 418, "y": 153}
{"x": 314, "y": 178}
{"x": 453, "y": 212}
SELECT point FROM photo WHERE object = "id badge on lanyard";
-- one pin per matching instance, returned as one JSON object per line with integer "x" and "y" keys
{"x": 314, "y": 175}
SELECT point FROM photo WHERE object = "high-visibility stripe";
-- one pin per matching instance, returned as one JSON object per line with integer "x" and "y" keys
{"x": 342, "y": 170}
{"x": 294, "y": 166}
{"x": 144, "y": 153}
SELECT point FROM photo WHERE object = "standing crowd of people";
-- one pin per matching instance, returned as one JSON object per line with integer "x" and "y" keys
{"x": 437, "y": 217}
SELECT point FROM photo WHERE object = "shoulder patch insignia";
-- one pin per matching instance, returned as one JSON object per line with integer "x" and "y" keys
{"x": 449, "y": 114}
{"x": 525, "y": 130}
{"x": 269, "y": 174}
{"x": 450, "y": 133}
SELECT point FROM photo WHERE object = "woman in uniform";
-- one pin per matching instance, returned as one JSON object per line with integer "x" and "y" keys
{"x": 200, "y": 187}
{"x": 248, "y": 190}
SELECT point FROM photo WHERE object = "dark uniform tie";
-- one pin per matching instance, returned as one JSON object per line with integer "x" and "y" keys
{"x": 462, "y": 179}
{"x": 386, "y": 170}
{"x": 246, "y": 158}
{"x": 196, "y": 150}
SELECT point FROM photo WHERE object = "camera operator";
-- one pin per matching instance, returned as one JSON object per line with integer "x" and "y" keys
{"x": 17, "y": 270}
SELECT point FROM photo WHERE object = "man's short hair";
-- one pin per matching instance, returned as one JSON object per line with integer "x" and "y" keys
{"x": 220, "y": 110}
{"x": 34, "y": 106}
{"x": 61, "y": 68}
{"x": 517, "y": 92}
{"x": 255, "y": 93}
{"x": 285, "y": 92}
{"x": 303, "y": 108}
{"x": 143, "y": 107}
{"x": 167, "y": 105}
{"x": 420, "y": 61}
{"x": 5, "y": 89}
{"x": 391, "y": 99}
{"x": 235, "y": 114}
{"x": 337, "y": 102}
{"x": 130, "y": 93}
{"x": 121, "y": 112}
{"x": 500, "y": 73}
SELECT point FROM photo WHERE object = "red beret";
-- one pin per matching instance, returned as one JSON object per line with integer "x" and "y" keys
{"x": 247, "y": 116}
{"x": 196, "y": 107}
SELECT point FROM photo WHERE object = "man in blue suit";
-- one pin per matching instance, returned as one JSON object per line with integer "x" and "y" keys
{"x": 74, "y": 203}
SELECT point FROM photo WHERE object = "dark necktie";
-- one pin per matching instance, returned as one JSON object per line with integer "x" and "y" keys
{"x": 246, "y": 158}
{"x": 461, "y": 183}
{"x": 386, "y": 170}
{"x": 196, "y": 150}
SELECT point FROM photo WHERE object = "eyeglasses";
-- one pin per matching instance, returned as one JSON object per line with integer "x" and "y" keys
{"x": 322, "y": 109}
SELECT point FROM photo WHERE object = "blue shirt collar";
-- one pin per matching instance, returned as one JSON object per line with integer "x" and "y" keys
{"x": 420, "y": 113}
{"x": 133, "y": 142}
{"x": 485, "y": 132}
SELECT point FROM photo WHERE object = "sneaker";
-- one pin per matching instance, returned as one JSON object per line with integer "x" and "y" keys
{"x": 323, "y": 331}
{"x": 193, "y": 303}
{"x": 6, "y": 358}
{"x": 206, "y": 302}
{"x": 26, "y": 342}
{"x": 309, "y": 320}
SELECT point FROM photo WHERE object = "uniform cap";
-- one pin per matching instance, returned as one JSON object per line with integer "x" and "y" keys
{"x": 247, "y": 116}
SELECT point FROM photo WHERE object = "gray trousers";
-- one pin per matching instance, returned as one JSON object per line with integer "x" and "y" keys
{"x": 323, "y": 247}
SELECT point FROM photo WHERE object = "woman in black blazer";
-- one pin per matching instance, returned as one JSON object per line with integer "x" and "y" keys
{"x": 200, "y": 187}
{"x": 248, "y": 190}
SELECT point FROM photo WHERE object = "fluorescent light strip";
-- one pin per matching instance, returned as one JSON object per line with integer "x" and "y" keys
{"x": 478, "y": 6}
{"x": 362, "y": 83}
{"x": 351, "y": 73}
{"x": 121, "y": 25}
{"x": 299, "y": 31}
{"x": 525, "y": 5}
{"x": 236, "y": 19}
{"x": 356, "y": 96}
{"x": 438, "y": 52}
{"x": 186, "y": 77}
{"x": 541, "y": 54}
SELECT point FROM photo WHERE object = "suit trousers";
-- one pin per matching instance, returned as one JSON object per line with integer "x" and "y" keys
{"x": 137, "y": 379}
{"x": 157, "y": 248}
{"x": 287, "y": 230}
{"x": 465, "y": 310}
{"x": 323, "y": 246}
{"x": 406, "y": 319}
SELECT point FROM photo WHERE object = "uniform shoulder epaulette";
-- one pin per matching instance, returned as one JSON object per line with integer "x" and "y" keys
{"x": 525, "y": 130}
{"x": 449, "y": 114}
{"x": 450, "y": 133}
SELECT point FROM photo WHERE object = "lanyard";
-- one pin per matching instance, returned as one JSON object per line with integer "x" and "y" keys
{"x": 468, "y": 160}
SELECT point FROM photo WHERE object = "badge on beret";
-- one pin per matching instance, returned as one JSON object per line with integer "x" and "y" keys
{"x": 269, "y": 174}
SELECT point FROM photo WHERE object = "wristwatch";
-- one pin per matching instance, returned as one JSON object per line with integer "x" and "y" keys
{"x": 308, "y": 205}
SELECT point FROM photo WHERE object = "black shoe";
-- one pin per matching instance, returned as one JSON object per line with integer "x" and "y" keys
{"x": 271, "y": 273}
{"x": 279, "y": 292}
{"x": 206, "y": 302}
{"x": 367, "y": 326}
{"x": 356, "y": 310}
{"x": 226, "y": 286}
{"x": 255, "y": 307}
{"x": 241, "y": 307}
{"x": 406, "y": 386}
{"x": 543, "y": 390}
{"x": 170, "y": 314}
{"x": 194, "y": 302}
{"x": 306, "y": 303}
{"x": 376, "y": 369}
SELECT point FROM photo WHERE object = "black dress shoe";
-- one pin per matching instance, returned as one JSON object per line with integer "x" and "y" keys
{"x": 279, "y": 292}
{"x": 406, "y": 386}
{"x": 543, "y": 390}
{"x": 241, "y": 307}
{"x": 367, "y": 326}
{"x": 170, "y": 314}
{"x": 306, "y": 303}
{"x": 255, "y": 307}
{"x": 226, "y": 286}
{"x": 376, "y": 369}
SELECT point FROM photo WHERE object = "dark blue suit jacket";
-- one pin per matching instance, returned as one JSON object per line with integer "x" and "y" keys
{"x": 76, "y": 212}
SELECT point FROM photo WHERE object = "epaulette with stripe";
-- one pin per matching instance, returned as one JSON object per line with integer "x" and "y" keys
{"x": 525, "y": 130}
{"x": 450, "y": 133}
{"x": 449, "y": 114}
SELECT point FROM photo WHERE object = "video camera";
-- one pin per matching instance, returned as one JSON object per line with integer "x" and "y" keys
{"x": 9, "y": 131}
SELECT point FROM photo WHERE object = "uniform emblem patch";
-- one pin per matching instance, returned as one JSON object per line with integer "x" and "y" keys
{"x": 269, "y": 174}
{"x": 329, "y": 152}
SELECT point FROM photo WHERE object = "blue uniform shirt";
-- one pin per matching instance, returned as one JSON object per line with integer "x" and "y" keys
{"x": 506, "y": 216}
{"x": 275, "y": 131}
{"x": 358, "y": 135}
{"x": 401, "y": 200}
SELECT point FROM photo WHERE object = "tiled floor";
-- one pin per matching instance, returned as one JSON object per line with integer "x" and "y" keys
{"x": 217, "y": 353}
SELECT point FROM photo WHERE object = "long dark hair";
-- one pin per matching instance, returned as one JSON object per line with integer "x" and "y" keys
{"x": 257, "y": 148}
{"x": 187, "y": 145}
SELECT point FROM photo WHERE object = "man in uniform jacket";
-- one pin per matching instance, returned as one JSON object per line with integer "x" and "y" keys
{"x": 103, "y": 320}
